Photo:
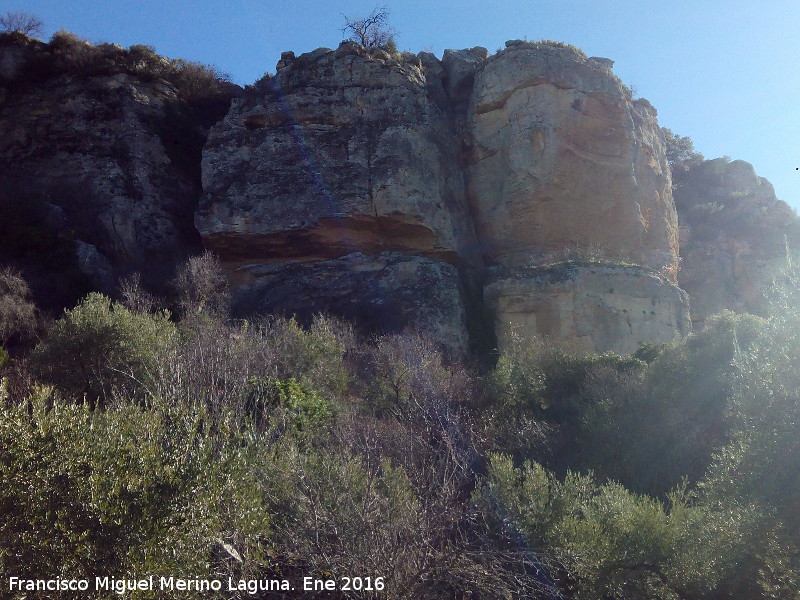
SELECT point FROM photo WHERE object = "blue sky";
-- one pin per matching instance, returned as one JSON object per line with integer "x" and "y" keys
{"x": 724, "y": 73}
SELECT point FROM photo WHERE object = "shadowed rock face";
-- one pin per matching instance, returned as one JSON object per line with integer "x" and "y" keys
{"x": 389, "y": 292}
{"x": 357, "y": 157}
{"x": 108, "y": 158}
{"x": 735, "y": 235}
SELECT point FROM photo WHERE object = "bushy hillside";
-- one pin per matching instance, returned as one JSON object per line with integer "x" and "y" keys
{"x": 136, "y": 443}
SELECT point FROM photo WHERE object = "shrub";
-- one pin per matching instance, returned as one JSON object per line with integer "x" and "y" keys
{"x": 681, "y": 154}
{"x": 215, "y": 362}
{"x": 536, "y": 395}
{"x": 203, "y": 286}
{"x": 18, "y": 314}
{"x": 124, "y": 491}
{"x": 609, "y": 543}
{"x": 196, "y": 81}
{"x": 100, "y": 348}
{"x": 286, "y": 407}
{"x": 336, "y": 516}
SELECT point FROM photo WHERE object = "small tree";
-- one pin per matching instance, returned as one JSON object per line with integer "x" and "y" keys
{"x": 202, "y": 286}
{"x": 18, "y": 315}
{"x": 372, "y": 31}
{"x": 680, "y": 149}
{"x": 21, "y": 22}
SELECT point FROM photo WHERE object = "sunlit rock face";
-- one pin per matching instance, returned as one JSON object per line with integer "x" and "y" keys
{"x": 736, "y": 237}
{"x": 353, "y": 158}
{"x": 342, "y": 151}
{"x": 588, "y": 307}
{"x": 562, "y": 158}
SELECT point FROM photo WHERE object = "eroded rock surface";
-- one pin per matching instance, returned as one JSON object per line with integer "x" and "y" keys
{"x": 389, "y": 292}
{"x": 735, "y": 235}
{"x": 373, "y": 184}
{"x": 588, "y": 307}
{"x": 562, "y": 158}
{"x": 511, "y": 159}
{"x": 342, "y": 151}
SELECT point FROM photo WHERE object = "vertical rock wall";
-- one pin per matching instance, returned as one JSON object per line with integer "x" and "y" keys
{"x": 736, "y": 237}
{"x": 359, "y": 166}
{"x": 563, "y": 159}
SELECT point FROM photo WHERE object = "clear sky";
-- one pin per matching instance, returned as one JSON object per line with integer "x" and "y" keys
{"x": 724, "y": 73}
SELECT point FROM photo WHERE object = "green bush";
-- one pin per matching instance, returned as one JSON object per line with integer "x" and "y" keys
{"x": 315, "y": 357}
{"x": 759, "y": 465}
{"x": 100, "y": 348}
{"x": 125, "y": 491}
{"x": 537, "y": 390}
{"x": 606, "y": 542}
{"x": 285, "y": 406}
{"x": 676, "y": 408}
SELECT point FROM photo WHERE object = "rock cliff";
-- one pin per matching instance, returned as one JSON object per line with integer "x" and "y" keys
{"x": 736, "y": 236}
{"x": 524, "y": 191}
{"x": 353, "y": 157}
{"x": 104, "y": 152}
{"x": 562, "y": 158}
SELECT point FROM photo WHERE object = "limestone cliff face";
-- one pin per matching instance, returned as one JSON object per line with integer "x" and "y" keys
{"x": 562, "y": 158}
{"x": 398, "y": 190}
{"x": 735, "y": 235}
{"x": 340, "y": 152}
{"x": 110, "y": 157}
{"x": 591, "y": 307}
{"x": 94, "y": 151}
{"x": 472, "y": 160}
{"x": 353, "y": 158}
{"x": 346, "y": 161}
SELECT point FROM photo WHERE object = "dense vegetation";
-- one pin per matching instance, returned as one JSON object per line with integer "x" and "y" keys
{"x": 134, "y": 443}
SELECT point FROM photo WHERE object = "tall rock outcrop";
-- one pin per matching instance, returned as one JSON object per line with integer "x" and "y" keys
{"x": 345, "y": 161}
{"x": 353, "y": 158}
{"x": 564, "y": 165}
{"x": 342, "y": 151}
{"x": 562, "y": 158}
{"x": 735, "y": 236}
{"x": 105, "y": 153}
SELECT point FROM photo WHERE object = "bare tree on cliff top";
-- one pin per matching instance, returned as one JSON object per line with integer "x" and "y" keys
{"x": 372, "y": 31}
{"x": 22, "y": 22}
